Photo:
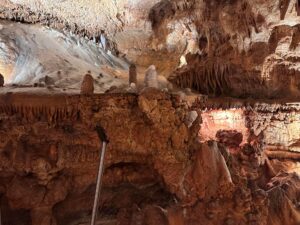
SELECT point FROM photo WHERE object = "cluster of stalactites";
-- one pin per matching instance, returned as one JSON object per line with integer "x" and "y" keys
{"x": 51, "y": 114}
{"x": 208, "y": 78}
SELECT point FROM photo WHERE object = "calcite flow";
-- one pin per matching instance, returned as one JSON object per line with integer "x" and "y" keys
{"x": 200, "y": 101}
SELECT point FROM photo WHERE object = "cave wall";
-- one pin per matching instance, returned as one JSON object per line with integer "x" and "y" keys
{"x": 157, "y": 169}
{"x": 50, "y": 150}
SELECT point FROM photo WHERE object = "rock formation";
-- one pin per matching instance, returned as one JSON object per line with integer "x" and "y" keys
{"x": 151, "y": 77}
{"x": 132, "y": 74}
{"x": 54, "y": 150}
{"x": 87, "y": 86}
{"x": 218, "y": 146}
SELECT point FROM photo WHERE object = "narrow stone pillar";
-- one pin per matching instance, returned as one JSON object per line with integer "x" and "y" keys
{"x": 87, "y": 86}
{"x": 151, "y": 77}
{"x": 132, "y": 74}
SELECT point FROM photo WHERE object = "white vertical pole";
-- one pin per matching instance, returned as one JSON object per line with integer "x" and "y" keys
{"x": 98, "y": 184}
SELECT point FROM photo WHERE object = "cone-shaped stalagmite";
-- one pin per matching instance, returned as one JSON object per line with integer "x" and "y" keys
{"x": 151, "y": 77}
{"x": 132, "y": 74}
{"x": 87, "y": 86}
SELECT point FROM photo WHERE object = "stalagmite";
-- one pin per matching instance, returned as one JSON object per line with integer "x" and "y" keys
{"x": 132, "y": 74}
{"x": 1, "y": 80}
{"x": 87, "y": 86}
{"x": 151, "y": 77}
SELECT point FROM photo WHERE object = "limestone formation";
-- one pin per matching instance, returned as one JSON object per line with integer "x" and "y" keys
{"x": 132, "y": 74}
{"x": 214, "y": 139}
{"x": 87, "y": 86}
{"x": 151, "y": 77}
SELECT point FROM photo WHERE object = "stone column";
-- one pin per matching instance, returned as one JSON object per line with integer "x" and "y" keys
{"x": 87, "y": 86}
{"x": 132, "y": 74}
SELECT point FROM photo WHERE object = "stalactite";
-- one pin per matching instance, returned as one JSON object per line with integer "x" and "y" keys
{"x": 283, "y": 7}
{"x": 210, "y": 77}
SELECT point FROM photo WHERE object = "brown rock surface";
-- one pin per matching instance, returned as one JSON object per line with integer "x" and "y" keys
{"x": 156, "y": 170}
